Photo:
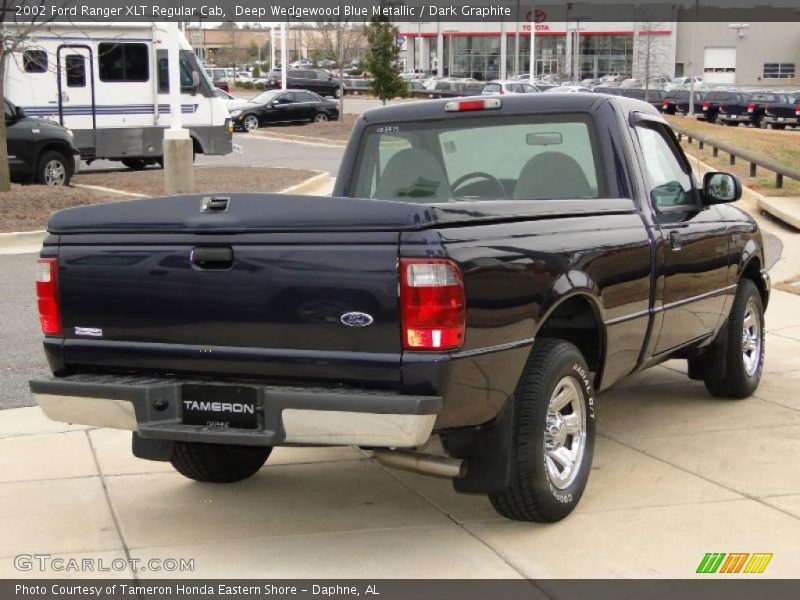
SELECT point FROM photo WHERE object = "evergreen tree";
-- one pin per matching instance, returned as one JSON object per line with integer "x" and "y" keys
{"x": 381, "y": 60}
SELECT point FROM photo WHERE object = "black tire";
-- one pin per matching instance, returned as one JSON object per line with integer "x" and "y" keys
{"x": 774, "y": 126}
{"x": 531, "y": 494}
{"x": 738, "y": 379}
{"x": 134, "y": 164}
{"x": 732, "y": 123}
{"x": 218, "y": 463}
{"x": 54, "y": 169}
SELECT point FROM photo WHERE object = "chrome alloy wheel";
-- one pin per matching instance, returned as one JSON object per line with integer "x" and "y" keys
{"x": 565, "y": 433}
{"x": 251, "y": 122}
{"x": 55, "y": 173}
{"x": 752, "y": 343}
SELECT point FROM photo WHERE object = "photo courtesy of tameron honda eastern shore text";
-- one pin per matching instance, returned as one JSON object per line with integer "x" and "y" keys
{"x": 484, "y": 268}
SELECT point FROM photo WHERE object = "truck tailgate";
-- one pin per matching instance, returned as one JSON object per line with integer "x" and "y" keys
{"x": 267, "y": 304}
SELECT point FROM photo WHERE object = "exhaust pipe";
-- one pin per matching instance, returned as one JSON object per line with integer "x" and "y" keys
{"x": 427, "y": 464}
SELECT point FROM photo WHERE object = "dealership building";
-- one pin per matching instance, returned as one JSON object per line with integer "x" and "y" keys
{"x": 751, "y": 54}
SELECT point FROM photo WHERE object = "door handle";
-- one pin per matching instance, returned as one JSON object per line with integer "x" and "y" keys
{"x": 676, "y": 240}
{"x": 212, "y": 258}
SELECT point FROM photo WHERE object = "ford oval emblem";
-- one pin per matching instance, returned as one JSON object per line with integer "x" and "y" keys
{"x": 356, "y": 319}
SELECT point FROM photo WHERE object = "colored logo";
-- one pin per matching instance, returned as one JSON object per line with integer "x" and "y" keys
{"x": 735, "y": 562}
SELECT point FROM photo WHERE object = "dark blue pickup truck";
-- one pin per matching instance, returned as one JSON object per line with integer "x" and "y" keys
{"x": 484, "y": 268}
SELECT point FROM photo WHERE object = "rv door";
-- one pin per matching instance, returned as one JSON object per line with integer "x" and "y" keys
{"x": 76, "y": 95}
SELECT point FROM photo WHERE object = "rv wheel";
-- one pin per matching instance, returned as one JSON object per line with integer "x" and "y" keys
{"x": 134, "y": 164}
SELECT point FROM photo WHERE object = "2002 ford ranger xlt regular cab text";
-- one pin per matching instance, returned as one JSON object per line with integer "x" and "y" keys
{"x": 484, "y": 267}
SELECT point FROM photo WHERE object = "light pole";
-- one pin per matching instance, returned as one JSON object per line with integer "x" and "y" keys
{"x": 450, "y": 33}
{"x": 271, "y": 47}
{"x": 532, "y": 74}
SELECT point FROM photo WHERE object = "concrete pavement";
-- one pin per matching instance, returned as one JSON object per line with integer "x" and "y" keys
{"x": 677, "y": 474}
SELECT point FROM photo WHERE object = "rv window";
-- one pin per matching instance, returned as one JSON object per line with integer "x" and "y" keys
{"x": 123, "y": 62}
{"x": 34, "y": 61}
{"x": 76, "y": 71}
{"x": 163, "y": 75}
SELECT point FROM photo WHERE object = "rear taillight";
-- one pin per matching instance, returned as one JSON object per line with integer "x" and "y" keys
{"x": 665, "y": 104}
{"x": 706, "y": 105}
{"x": 751, "y": 107}
{"x": 47, "y": 296}
{"x": 432, "y": 305}
{"x": 721, "y": 107}
{"x": 466, "y": 105}
{"x": 797, "y": 110}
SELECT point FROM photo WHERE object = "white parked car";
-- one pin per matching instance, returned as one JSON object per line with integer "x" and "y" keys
{"x": 508, "y": 87}
{"x": 230, "y": 102}
{"x": 683, "y": 82}
{"x": 569, "y": 89}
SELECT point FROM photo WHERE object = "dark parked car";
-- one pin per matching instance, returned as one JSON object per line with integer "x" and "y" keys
{"x": 454, "y": 89}
{"x": 651, "y": 96}
{"x": 676, "y": 102}
{"x": 780, "y": 114}
{"x": 39, "y": 150}
{"x": 482, "y": 269}
{"x": 275, "y": 106}
{"x": 313, "y": 80}
{"x": 758, "y": 102}
{"x": 722, "y": 106}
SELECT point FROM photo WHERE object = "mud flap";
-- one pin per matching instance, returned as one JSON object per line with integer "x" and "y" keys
{"x": 486, "y": 449}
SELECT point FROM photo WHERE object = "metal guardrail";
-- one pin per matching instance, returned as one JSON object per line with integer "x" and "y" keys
{"x": 780, "y": 170}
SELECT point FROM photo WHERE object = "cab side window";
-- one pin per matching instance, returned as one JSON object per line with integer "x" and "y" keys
{"x": 670, "y": 180}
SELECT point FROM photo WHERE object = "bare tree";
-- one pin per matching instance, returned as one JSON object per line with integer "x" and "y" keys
{"x": 651, "y": 52}
{"x": 14, "y": 35}
{"x": 340, "y": 41}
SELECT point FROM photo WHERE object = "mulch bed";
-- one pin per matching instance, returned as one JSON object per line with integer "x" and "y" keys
{"x": 335, "y": 131}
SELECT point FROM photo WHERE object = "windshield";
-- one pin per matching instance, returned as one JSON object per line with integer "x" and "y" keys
{"x": 265, "y": 97}
{"x": 458, "y": 160}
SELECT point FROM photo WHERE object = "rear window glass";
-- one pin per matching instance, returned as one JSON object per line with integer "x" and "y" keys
{"x": 462, "y": 160}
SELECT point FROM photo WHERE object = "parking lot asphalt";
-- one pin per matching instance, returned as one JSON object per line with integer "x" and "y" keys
{"x": 257, "y": 152}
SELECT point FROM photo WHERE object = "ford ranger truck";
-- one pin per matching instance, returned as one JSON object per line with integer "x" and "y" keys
{"x": 484, "y": 268}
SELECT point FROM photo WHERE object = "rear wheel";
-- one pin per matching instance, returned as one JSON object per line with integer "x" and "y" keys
{"x": 54, "y": 169}
{"x": 218, "y": 463}
{"x": 553, "y": 436}
{"x": 742, "y": 346}
{"x": 321, "y": 118}
{"x": 135, "y": 164}
{"x": 337, "y": 93}
{"x": 250, "y": 123}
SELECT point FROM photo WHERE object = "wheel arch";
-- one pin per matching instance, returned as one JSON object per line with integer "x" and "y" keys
{"x": 62, "y": 148}
{"x": 576, "y": 315}
{"x": 751, "y": 269}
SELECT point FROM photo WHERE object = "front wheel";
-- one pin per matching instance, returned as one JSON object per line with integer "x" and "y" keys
{"x": 742, "y": 346}
{"x": 218, "y": 463}
{"x": 337, "y": 93}
{"x": 53, "y": 169}
{"x": 321, "y": 118}
{"x": 552, "y": 436}
{"x": 250, "y": 123}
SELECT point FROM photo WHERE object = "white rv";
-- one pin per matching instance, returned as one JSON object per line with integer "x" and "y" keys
{"x": 109, "y": 84}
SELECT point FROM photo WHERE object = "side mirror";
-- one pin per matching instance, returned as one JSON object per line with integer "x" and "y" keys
{"x": 195, "y": 80}
{"x": 720, "y": 188}
{"x": 20, "y": 114}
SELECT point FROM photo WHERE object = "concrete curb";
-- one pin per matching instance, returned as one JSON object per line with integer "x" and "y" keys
{"x": 22, "y": 242}
{"x": 320, "y": 184}
{"x": 785, "y": 209}
{"x": 299, "y": 139}
{"x": 108, "y": 190}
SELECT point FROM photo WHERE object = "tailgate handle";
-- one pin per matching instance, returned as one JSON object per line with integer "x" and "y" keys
{"x": 212, "y": 258}
{"x": 215, "y": 204}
